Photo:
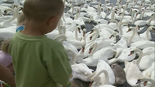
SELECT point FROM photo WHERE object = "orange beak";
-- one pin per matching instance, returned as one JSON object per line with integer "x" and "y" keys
{"x": 90, "y": 50}
{"x": 131, "y": 53}
{"x": 90, "y": 37}
{"x": 145, "y": 83}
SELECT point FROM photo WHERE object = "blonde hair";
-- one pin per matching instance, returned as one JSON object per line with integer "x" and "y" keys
{"x": 5, "y": 45}
{"x": 21, "y": 19}
{"x": 40, "y": 10}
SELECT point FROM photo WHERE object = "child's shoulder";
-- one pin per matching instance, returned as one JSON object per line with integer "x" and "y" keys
{"x": 52, "y": 43}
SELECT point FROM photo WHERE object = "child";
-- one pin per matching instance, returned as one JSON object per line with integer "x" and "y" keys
{"x": 7, "y": 76}
{"x": 39, "y": 61}
{"x": 5, "y": 58}
{"x": 20, "y": 22}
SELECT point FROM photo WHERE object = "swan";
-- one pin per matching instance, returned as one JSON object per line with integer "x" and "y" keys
{"x": 151, "y": 21}
{"x": 119, "y": 74}
{"x": 112, "y": 15}
{"x": 143, "y": 62}
{"x": 119, "y": 24}
{"x": 148, "y": 71}
{"x": 7, "y": 23}
{"x": 148, "y": 50}
{"x": 102, "y": 54}
{"x": 126, "y": 55}
{"x": 146, "y": 79}
{"x": 127, "y": 18}
{"x": 134, "y": 37}
{"x": 97, "y": 81}
{"x": 108, "y": 78}
{"x": 78, "y": 44}
{"x": 62, "y": 39}
{"x": 131, "y": 76}
{"x": 81, "y": 71}
{"x": 143, "y": 22}
{"x": 120, "y": 46}
{"x": 143, "y": 44}
{"x": 6, "y": 34}
{"x": 146, "y": 35}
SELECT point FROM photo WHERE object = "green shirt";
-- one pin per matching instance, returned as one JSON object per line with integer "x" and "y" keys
{"x": 39, "y": 61}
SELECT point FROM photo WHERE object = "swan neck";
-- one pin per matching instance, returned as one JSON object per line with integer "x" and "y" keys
{"x": 76, "y": 34}
{"x": 94, "y": 48}
{"x": 13, "y": 18}
{"x": 150, "y": 19}
{"x": 133, "y": 34}
{"x": 149, "y": 79}
{"x": 147, "y": 33}
{"x": 106, "y": 75}
{"x": 140, "y": 56}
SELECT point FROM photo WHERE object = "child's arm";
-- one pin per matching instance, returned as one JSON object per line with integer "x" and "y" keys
{"x": 7, "y": 76}
{"x": 58, "y": 66}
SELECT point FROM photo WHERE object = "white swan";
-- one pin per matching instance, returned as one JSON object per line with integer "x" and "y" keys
{"x": 6, "y": 34}
{"x": 146, "y": 35}
{"x": 126, "y": 55}
{"x": 97, "y": 81}
{"x": 78, "y": 44}
{"x": 132, "y": 73}
{"x": 107, "y": 78}
{"x": 148, "y": 71}
{"x": 7, "y": 23}
{"x": 143, "y": 44}
{"x": 81, "y": 71}
{"x": 148, "y": 50}
{"x": 143, "y": 62}
{"x": 102, "y": 54}
{"x": 144, "y": 22}
{"x": 146, "y": 79}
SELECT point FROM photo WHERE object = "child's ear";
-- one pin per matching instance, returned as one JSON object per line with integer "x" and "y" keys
{"x": 52, "y": 20}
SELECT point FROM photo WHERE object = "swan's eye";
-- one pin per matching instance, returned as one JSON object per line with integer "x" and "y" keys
{"x": 108, "y": 22}
{"x": 138, "y": 81}
{"x": 129, "y": 30}
{"x": 91, "y": 31}
{"x": 98, "y": 36}
{"x": 5, "y": 12}
{"x": 131, "y": 52}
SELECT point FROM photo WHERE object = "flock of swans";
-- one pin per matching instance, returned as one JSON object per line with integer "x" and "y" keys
{"x": 120, "y": 33}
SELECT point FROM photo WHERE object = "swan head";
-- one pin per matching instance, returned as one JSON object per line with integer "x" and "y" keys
{"x": 84, "y": 32}
{"x": 130, "y": 29}
{"x": 14, "y": 6}
{"x": 139, "y": 81}
{"x": 153, "y": 28}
